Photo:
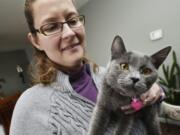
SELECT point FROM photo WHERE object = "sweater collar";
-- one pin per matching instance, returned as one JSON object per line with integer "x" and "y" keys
{"x": 63, "y": 78}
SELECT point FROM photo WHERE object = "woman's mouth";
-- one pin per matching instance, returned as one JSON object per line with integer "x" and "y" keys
{"x": 70, "y": 47}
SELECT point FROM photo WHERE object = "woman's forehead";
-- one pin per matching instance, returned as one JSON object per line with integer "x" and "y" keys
{"x": 44, "y": 10}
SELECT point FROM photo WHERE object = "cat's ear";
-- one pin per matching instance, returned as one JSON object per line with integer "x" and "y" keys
{"x": 117, "y": 48}
{"x": 160, "y": 56}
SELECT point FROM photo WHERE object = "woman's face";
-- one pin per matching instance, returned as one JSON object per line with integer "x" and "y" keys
{"x": 66, "y": 48}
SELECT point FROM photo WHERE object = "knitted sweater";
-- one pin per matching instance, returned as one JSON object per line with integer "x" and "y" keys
{"x": 54, "y": 109}
{"x": 57, "y": 109}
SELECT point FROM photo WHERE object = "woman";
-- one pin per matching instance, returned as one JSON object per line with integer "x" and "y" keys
{"x": 65, "y": 82}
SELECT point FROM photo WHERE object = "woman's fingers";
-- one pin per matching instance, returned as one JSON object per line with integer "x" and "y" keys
{"x": 152, "y": 95}
{"x": 148, "y": 98}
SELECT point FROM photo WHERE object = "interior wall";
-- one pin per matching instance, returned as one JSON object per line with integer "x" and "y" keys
{"x": 133, "y": 20}
{"x": 13, "y": 81}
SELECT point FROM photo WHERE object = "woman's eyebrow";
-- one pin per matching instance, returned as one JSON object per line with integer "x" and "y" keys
{"x": 71, "y": 14}
{"x": 55, "y": 19}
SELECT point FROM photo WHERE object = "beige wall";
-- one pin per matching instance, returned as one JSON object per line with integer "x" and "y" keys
{"x": 133, "y": 20}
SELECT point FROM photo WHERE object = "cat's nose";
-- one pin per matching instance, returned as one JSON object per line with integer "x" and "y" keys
{"x": 134, "y": 79}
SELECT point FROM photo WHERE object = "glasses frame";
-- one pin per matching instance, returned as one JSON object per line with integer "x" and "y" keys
{"x": 40, "y": 30}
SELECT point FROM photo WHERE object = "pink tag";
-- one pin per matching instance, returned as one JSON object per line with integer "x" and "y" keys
{"x": 136, "y": 104}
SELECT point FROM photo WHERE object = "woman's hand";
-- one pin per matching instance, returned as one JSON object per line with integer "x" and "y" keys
{"x": 152, "y": 95}
{"x": 148, "y": 98}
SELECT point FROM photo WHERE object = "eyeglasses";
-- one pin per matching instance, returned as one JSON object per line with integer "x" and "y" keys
{"x": 57, "y": 27}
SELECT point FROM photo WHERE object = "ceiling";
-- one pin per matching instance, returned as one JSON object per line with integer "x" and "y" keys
{"x": 13, "y": 28}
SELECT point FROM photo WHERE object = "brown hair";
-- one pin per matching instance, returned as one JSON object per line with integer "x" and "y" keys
{"x": 42, "y": 69}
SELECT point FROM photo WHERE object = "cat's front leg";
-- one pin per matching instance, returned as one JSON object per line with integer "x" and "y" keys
{"x": 99, "y": 121}
{"x": 151, "y": 120}
{"x": 124, "y": 125}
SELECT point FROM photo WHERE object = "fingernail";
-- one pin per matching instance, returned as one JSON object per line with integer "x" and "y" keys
{"x": 145, "y": 100}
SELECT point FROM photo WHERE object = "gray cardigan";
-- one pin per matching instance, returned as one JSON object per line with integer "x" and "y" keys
{"x": 55, "y": 109}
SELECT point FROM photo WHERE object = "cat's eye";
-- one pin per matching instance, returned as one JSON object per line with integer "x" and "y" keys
{"x": 124, "y": 66}
{"x": 146, "y": 71}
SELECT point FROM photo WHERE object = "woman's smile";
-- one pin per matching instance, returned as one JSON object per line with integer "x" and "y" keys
{"x": 71, "y": 47}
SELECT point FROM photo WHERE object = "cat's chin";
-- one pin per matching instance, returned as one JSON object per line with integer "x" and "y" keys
{"x": 140, "y": 90}
{"x": 130, "y": 93}
{"x": 126, "y": 94}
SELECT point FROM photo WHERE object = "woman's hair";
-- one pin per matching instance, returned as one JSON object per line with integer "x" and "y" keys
{"x": 28, "y": 11}
{"x": 42, "y": 69}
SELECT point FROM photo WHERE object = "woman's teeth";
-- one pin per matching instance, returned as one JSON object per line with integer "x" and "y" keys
{"x": 69, "y": 47}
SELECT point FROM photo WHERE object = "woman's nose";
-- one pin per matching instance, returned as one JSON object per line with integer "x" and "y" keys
{"x": 67, "y": 31}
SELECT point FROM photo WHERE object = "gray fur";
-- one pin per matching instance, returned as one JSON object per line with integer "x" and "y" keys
{"x": 119, "y": 86}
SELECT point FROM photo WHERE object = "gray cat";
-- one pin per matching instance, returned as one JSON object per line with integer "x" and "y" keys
{"x": 129, "y": 75}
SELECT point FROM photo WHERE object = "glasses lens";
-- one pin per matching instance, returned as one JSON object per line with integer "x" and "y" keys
{"x": 76, "y": 21}
{"x": 51, "y": 28}
{"x": 56, "y": 27}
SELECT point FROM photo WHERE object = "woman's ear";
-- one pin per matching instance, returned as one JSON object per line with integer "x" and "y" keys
{"x": 34, "y": 41}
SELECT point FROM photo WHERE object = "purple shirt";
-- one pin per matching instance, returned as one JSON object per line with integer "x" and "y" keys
{"x": 83, "y": 83}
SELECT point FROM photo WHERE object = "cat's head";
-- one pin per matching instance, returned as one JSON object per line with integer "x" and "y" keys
{"x": 132, "y": 73}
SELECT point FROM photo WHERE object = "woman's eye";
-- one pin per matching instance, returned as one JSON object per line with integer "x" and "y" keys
{"x": 146, "y": 71}
{"x": 51, "y": 27}
{"x": 124, "y": 66}
{"x": 73, "y": 22}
